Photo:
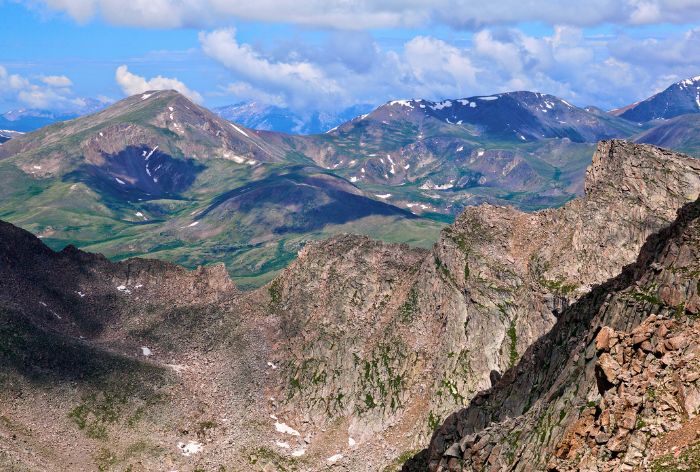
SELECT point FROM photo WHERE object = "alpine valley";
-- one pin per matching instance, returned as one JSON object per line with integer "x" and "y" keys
{"x": 519, "y": 291}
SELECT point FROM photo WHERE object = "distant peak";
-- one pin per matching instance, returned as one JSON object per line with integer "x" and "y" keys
{"x": 158, "y": 94}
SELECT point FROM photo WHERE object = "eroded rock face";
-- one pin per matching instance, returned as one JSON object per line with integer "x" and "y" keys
{"x": 616, "y": 374}
{"x": 398, "y": 339}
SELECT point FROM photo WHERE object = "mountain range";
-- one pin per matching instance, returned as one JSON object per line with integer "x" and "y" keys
{"x": 158, "y": 175}
{"x": 561, "y": 339}
{"x": 274, "y": 118}
{"x": 30, "y": 119}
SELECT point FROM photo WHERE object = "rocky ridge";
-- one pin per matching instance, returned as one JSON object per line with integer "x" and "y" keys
{"x": 419, "y": 334}
{"x": 611, "y": 387}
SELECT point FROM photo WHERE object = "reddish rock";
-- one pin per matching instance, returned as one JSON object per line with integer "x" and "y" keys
{"x": 606, "y": 339}
{"x": 610, "y": 367}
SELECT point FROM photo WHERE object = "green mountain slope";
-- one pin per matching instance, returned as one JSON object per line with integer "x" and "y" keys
{"x": 155, "y": 175}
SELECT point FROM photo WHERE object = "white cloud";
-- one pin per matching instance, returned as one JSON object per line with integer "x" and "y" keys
{"x": 370, "y": 14}
{"x": 133, "y": 84}
{"x": 52, "y": 92}
{"x": 445, "y": 69}
{"x": 245, "y": 91}
{"x": 295, "y": 80}
{"x": 57, "y": 80}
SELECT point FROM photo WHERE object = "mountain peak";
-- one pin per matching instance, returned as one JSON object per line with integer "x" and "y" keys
{"x": 520, "y": 116}
{"x": 681, "y": 98}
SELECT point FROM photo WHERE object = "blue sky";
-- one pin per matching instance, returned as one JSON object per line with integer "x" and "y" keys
{"x": 331, "y": 54}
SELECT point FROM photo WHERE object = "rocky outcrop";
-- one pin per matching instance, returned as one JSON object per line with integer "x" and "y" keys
{"x": 599, "y": 392}
{"x": 397, "y": 340}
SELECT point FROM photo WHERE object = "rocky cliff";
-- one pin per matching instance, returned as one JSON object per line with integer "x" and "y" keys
{"x": 611, "y": 387}
{"x": 389, "y": 341}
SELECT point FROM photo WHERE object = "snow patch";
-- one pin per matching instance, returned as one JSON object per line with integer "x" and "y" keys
{"x": 192, "y": 447}
{"x": 489, "y": 98}
{"x": 151, "y": 153}
{"x": 385, "y": 196}
{"x": 284, "y": 429}
{"x": 298, "y": 452}
{"x": 403, "y": 103}
{"x": 460, "y": 149}
{"x": 353, "y": 179}
{"x": 193, "y": 224}
{"x": 283, "y": 445}
{"x": 240, "y": 130}
{"x": 567, "y": 104}
{"x": 335, "y": 458}
{"x": 81, "y": 294}
{"x": 146, "y": 96}
{"x": 146, "y": 352}
{"x": 351, "y": 442}
{"x": 120, "y": 181}
{"x": 431, "y": 186}
{"x": 441, "y": 105}
{"x": 271, "y": 365}
{"x": 37, "y": 167}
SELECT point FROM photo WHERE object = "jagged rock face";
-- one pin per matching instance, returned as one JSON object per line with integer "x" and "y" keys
{"x": 514, "y": 272}
{"x": 418, "y": 335}
{"x": 598, "y": 393}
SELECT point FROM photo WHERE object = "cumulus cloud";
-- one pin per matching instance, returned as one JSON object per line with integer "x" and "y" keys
{"x": 49, "y": 92}
{"x": 294, "y": 79}
{"x": 133, "y": 84}
{"x": 57, "y": 80}
{"x": 607, "y": 72}
{"x": 444, "y": 68}
{"x": 369, "y": 14}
